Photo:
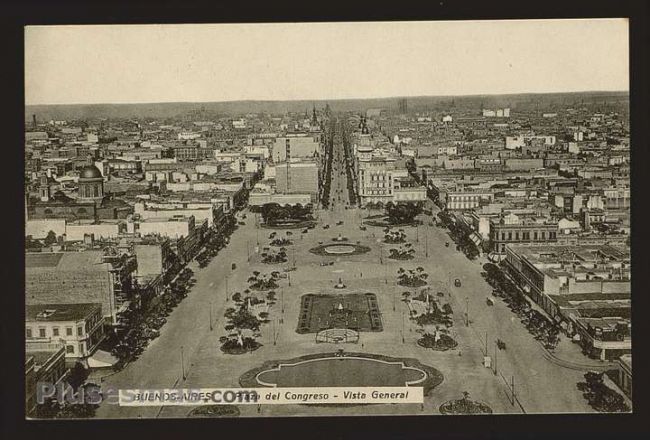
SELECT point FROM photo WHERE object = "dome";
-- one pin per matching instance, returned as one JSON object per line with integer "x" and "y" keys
{"x": 90, "y": 172}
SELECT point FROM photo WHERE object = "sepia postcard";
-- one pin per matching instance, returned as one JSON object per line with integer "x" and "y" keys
{"x": 421, "y": 218}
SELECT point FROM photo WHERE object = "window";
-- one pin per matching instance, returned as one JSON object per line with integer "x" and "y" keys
{"x": 535, "y": 235}
{"x": 68, "y": 331}
{"x": 503, "y": 236}
{"x": 41, "y": 333}
{"x": 517, "y": 235}
{"x": 509, "y": 236}
{"x": 80, "y": 331}
{"x": 69, "y": 349}
{"x": 55, "y": 331}
{"x": 28, "y": 332}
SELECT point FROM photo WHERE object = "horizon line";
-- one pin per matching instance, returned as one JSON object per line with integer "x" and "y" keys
{"x": 331, "y": 99}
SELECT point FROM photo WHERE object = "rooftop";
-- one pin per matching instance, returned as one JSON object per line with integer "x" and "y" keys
{"x": 59, "y": 312}
{"x": 59, "y": 261}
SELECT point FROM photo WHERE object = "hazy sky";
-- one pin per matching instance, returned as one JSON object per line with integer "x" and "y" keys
{"x": 224, "y": 62}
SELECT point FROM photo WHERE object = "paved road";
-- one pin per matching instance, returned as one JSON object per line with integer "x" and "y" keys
{"x": 340, "y": 196}
{"x": 160, "y": 364}
{"x": 541, "y": 385}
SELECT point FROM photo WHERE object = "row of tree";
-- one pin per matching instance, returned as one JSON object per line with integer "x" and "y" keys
{"x": 274, "y": 213}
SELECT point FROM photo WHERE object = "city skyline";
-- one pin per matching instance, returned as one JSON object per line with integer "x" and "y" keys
{"x": 475, "y": 54}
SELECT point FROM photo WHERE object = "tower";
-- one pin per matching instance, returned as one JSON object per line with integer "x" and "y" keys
{"x": 44, "y": 189}
{"x": 34, "y": 125}
{"x": 91, "y": 184}
{"x": 314, "y": 119}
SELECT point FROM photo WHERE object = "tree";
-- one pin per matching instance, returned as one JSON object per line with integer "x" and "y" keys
{"x": 78, "y": 375}
{"x": 403, "y": 213}
{"x": 50, "y": 239}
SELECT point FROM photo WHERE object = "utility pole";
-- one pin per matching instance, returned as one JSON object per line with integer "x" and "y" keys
{"x": 226, "y": 288}
{"x": 182, "y": 364}
{"x": 467, "y": 311}
{"x": 210, "y": 315}
{"x": 512, "y": 386}
{"x": 274, "y": 335}
{"x": 496, "y": 347}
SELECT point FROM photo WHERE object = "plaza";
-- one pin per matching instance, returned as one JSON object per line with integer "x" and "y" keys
{"x": 187, "y": 352}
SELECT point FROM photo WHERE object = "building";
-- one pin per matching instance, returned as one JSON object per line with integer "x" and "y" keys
{"x": 185, "y": 152}
{"x": 154, "y": 256}
{"x": 585, "y": 288}
{"x": 296, "y": 146}
{"x": 297, "y": 177}
{"x": 510, "y": 230}
{"x": 44, "y": 362}
{"x": 78, "y": 278}
{"x": 78, "y": 326}
{"x": 625, "y": 374}
{"x": 467, "y": 199}
{"x": 171, "y": 227}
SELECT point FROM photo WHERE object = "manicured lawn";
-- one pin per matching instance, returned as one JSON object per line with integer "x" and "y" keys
{"x": 318, "y": 312}
{"x": 340, "y": 372}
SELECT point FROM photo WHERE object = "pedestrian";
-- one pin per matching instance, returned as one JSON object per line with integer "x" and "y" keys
{"x": 361, "y": 274}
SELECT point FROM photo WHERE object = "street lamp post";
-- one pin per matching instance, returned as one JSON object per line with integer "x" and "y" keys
{"x": 467, "y": 311}
{"x": 496, "y": 348}
{"x": 426, "y": 243}
{"x": 210, "y": 315}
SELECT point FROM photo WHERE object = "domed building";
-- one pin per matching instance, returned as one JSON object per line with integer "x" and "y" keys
{"x": 91, "y": 184}
{"x": 91, "y": 202}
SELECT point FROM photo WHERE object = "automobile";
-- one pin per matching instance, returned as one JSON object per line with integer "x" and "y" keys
{"x": 243, "y": 216}
{"x": 311, "y": 227}
{"x": 363, "y": 228}
{"x": 339, "y": 223}
{"x": 234, "y": 266}
{"x": 327, "y": 263}
{"x": 241, "y": 223}
{"x": 457, "y": 282}
{"x": 304, "y": 231}
{"x": 490, "y": 301}
{"x": 447, "y": 244}
{"x": 326, "y": 227}
{"x": 272, "y": 235}
{"x": 283, "y": 275}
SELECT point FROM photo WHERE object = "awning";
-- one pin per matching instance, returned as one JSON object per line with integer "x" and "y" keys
{"x": 101, "y": 359}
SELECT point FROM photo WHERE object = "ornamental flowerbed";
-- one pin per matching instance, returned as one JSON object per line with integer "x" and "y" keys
{"x": 215, "y": 411}
{"x": 464, "y": 406}
{"x": 412, "y": 277}
{"x": 441, "y": 342}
